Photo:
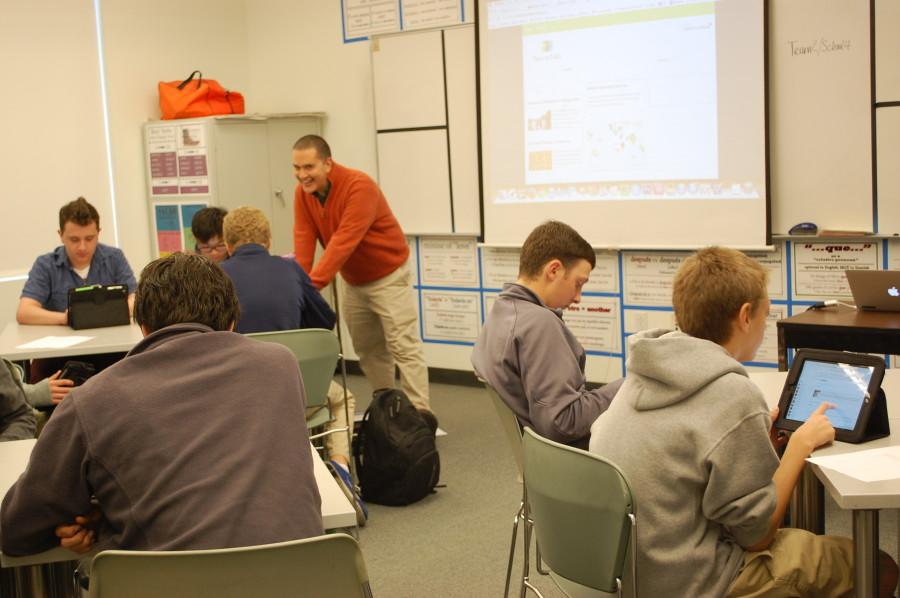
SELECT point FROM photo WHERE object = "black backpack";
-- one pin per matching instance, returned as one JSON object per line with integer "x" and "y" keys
{"x": 396, "y": 458}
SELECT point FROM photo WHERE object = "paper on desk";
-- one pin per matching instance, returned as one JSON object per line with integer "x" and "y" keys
{"x": 55, "y": 342}
{"x": 873, "y": 465}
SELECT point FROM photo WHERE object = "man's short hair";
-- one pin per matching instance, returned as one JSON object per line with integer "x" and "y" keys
{"x": 207, "y": 223}
{"x": 79, "y": 212}
{"x": 185, "y": 287}
{"x": 553, "y": 240}
{"x": 711, "y": 286}
{"x": 246, "y": 225}
{"x": 314, "y": 141}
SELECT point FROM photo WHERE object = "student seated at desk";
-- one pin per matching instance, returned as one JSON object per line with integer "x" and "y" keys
{"x": 527, "y": 353}
{"x": 81, "y": 260}
{"x": 16, "y": 417}
{"x": 196, "y": 439}
{"x": 206, "y": 226}
{"x": 46, "y": 393}
{"x": 276, "y": 294}
{"x": 691, "y": 432}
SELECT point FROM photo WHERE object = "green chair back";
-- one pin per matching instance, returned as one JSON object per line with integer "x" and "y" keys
{"x": 510, "y": 423}
{"x": 329, "y": 565}
{"x": 583, "y": 512}
{"x": 317, "y": 352}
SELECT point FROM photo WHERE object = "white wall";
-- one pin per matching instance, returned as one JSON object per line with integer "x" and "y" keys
{"x": 299, "y": 63}
{"x": 283, "y": 55}
{"x": 146, "y": 42}
{"x": 51, "y": 116}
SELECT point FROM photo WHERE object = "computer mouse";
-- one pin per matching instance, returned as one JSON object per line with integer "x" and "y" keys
{"x": 804, "y": 228}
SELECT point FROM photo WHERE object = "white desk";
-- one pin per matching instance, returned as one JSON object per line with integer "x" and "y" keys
{"x": 864, "y": 499}
{"x": 337, "y": 512}
{"x": 113, "y": 339}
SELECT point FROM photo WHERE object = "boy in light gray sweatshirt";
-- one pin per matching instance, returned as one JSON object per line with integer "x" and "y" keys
{"x": 691, "y": 432}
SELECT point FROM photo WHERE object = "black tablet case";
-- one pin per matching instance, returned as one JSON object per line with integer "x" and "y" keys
{"x": 98, "y": 306}
{"x": 876, "y": 426}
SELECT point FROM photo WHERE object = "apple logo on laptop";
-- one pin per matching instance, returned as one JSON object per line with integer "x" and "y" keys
{"x": 893, "y": 292}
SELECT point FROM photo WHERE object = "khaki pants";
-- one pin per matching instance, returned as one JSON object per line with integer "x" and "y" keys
{"x": 384, "y": 327}
{"x": 336, "y": 444}
{"x": 797, "y": 563}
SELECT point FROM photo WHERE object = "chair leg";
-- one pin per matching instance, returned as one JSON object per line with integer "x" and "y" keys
{"x": 349, "y": 416}
{"x": 539, "y": 564}
{"x": 532, "y": 588}
{"x": 512, "y": 549}
{"x": 526, "y": 537}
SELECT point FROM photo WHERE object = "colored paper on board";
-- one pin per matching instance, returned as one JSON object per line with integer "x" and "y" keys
{"x": 167, "y": 218}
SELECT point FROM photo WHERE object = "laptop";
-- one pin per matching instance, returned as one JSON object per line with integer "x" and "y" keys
{"x": 875, "y": 290}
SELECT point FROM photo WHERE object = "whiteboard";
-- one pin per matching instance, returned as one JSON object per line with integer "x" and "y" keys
{"x": 820, "y": 127}
{"x": 887, "y": 51}
{"x": 888, "y": 127}
{"x": 408, "y": 79}
{"x": 427, "y": 142}
{"x": 414, "y": 176}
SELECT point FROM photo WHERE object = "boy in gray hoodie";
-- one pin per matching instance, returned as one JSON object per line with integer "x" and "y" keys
{"x": 691, "y": 432}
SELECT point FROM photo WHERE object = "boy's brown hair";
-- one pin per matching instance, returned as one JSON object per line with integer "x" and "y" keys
{"x": 182, "y": 288}
{"x": 553, "y": 240}
{"x": 710, "y": 288}
{"x": 79, "y": 212}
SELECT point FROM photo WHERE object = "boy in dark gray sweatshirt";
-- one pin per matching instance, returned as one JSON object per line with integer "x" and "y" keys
{"x": 691, "y": 432}
{"x": 527, "y": 353}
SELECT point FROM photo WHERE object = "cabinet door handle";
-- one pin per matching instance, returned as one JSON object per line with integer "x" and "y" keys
{"x": 280, "y": 195}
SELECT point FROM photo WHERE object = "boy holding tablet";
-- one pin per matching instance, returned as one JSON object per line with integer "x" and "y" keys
{"x": 692, "y": 434}
{"x": 81, "y": 260}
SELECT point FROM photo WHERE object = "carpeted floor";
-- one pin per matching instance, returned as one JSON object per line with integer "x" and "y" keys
{"x": 455, "y": 543}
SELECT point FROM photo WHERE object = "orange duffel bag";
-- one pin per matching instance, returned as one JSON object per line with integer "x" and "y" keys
{"x": 203, "y": 97}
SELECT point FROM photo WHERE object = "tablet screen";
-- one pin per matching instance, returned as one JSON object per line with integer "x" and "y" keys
{"x": 841, "y": 384}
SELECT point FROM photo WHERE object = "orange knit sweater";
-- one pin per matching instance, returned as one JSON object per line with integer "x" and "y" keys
{"x": 361, "y": 236}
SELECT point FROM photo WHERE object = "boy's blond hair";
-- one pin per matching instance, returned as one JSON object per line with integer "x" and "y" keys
{"x": 710, "y": 288}
{"x": 246, "y": 225}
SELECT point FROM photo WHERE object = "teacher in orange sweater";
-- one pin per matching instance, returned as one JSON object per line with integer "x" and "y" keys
{"x": 347, "y": 213}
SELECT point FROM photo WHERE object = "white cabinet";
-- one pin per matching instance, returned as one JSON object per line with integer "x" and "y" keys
{"x": 226, "y": 161}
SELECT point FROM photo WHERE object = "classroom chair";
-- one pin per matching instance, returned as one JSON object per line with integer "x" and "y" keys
{"x": 317, "y": 352}
{"x": 513, "y": 431}
{"x": 329, "y": 565}
{"x": 584, "y": 517}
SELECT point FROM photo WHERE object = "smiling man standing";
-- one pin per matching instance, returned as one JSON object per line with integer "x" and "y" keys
{"x": 81, "y": 260}
{"x": 347, "y": 213}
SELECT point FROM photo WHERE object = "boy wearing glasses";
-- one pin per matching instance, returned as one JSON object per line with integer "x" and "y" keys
{"x": 206, "y": 225}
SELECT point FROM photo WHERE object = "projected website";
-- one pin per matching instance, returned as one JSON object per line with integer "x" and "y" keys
{"x": 619, "y": 100}
{"x": 623, "y": 102}
{"x": 843, "y": 385}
